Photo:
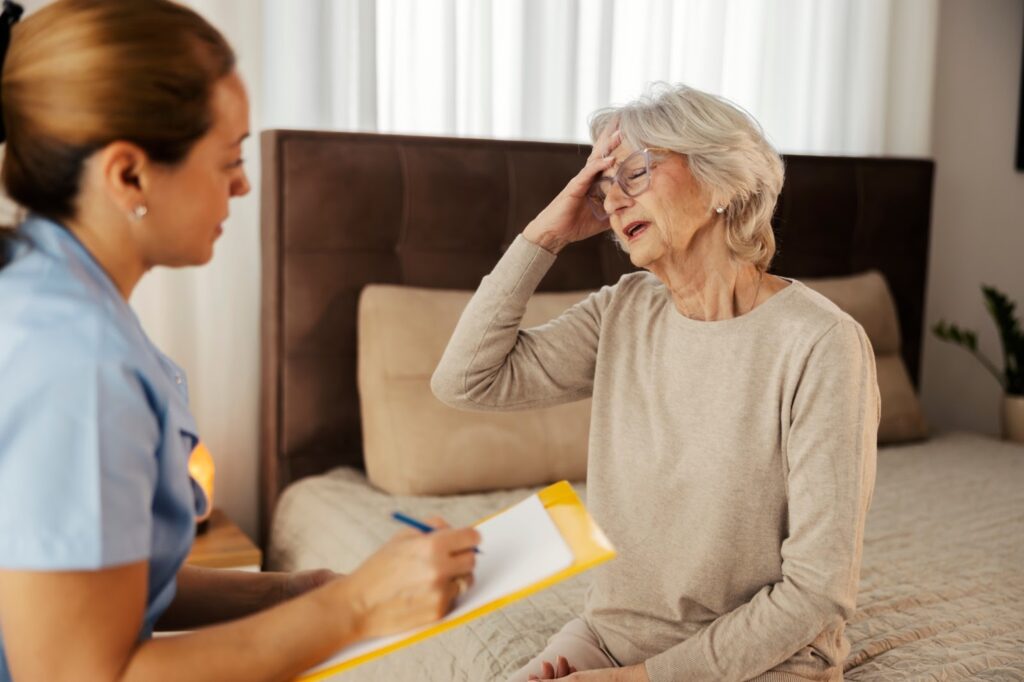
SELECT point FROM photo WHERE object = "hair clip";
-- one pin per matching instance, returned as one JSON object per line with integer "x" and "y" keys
{"x": 11, "y": 13}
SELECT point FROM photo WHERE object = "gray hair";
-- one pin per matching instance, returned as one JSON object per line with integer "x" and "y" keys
{"x": 727, "y": 152}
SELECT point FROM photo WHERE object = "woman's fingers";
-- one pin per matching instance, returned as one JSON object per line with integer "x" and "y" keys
{"x": 606, "y": 143}
{"x": 445, "y": 553}
{"x": 456, "y": 540}
{"x": 457, "y": 566}
{"x": 600, "y": 160}
{"x": 450, "y": 552}
{"x": 449, "y": 539}
{"x": 463, "y": 563}
{"x": 415, "y": 578}
{"x": 580, "y": 185}
{"x": 552, "y": 671}
{"x": 455, "y": 588}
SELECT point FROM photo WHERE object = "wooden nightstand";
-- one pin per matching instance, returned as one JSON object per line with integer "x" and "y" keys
{"x": 224, "y": 545}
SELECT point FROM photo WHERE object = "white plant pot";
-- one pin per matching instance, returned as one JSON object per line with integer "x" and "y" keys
{"x": 1013, "y": 417}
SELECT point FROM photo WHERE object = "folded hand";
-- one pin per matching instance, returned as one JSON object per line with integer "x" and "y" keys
{"x": 561, "y": 670}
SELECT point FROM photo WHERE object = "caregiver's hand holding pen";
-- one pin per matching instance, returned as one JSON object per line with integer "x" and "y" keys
{"x": 413, "y": 579}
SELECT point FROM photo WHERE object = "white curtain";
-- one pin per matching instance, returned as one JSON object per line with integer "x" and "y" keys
{"x": 822, "y": 76}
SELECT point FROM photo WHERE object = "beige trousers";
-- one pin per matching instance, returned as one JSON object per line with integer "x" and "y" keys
{"x": 582, "y": 648}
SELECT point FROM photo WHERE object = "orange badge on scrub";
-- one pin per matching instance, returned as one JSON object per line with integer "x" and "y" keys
{"x": 200, "y": 468}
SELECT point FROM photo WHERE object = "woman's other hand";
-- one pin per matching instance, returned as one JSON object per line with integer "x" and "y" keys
{"x": 413, "y": 579}
{"x": 568, "y": 218}
{"x": 552, "y": 671}
{"x": 633, "y": 673}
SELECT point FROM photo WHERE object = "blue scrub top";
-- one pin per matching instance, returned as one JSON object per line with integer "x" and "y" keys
{"x": 95, "y": 430}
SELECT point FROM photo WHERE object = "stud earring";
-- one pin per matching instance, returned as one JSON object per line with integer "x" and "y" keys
{"x": 720, "y": 210}
{"x": 139, "y": 212}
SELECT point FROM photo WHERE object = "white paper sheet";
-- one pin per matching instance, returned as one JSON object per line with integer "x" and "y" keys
{"x": 520, "y": 547}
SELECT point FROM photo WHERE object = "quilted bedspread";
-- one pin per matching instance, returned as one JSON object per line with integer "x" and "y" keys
{"x": 942, "y": 581}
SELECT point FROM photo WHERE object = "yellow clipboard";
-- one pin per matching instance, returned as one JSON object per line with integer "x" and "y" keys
{"x": 586, "y": 541}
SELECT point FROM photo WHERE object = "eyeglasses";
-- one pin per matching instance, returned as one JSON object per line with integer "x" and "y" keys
{"x": 633, "y": 177}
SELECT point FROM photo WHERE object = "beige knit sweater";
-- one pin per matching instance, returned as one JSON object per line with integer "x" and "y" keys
{"x": 731, "y": 462}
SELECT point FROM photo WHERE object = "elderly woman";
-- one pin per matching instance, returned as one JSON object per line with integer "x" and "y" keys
{"x": 732, "y": 438}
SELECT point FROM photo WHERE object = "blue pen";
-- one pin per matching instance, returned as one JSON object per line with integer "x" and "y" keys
{"x": 418, "y": 525}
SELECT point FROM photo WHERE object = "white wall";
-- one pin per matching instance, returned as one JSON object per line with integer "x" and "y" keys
{"x": 978, "y": 210}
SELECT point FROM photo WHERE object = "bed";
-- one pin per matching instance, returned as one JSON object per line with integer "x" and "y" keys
{"x": 413, "y": 223}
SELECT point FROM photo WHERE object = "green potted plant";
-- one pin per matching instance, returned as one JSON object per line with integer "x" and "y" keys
{"x": 1011, "y": 378}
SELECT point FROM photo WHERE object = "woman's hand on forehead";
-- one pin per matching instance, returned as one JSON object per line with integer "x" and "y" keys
{"x": 607, "y": 142}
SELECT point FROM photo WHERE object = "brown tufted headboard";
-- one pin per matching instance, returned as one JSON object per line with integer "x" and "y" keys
{"x": 342, "y": 210}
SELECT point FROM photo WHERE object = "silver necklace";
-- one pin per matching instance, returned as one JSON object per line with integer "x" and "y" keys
{"x": 757, "y": 291}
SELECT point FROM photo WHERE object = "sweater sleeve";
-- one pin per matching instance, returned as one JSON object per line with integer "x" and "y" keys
{"x": 831, "y": 450}
{"x": 492, "y": 364}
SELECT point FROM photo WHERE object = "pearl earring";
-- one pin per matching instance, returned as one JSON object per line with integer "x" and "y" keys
{"x": 720, "y": 210}
{"x": 139, "y": 212}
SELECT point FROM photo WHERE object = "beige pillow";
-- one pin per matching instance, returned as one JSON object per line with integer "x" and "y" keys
{"x": 867, "y": 299}
{"x": 414, "y": 444}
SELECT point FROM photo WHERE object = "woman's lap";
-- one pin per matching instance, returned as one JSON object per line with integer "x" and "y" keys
{"x": 577, "y": 643}
{"x": 582, "y": 648}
